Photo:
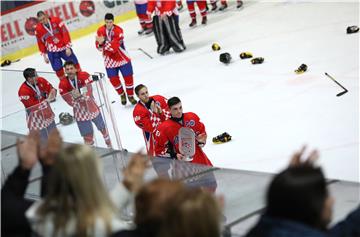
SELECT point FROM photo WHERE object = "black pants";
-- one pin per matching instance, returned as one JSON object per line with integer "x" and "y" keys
{"x": 168, "y": 35}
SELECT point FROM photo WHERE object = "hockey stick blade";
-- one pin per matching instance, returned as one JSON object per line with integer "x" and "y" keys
{"x": 341, "y": 93}
{"x": 145, "y": 53}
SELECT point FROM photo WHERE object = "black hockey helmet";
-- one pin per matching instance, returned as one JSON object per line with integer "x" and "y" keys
{"x": 225, "y": 58}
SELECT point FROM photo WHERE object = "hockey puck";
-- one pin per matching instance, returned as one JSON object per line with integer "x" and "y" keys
{"x": 113, "y": 102}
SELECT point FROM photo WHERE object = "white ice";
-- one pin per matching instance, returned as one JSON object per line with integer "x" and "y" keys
{"x": 268, "y": 109}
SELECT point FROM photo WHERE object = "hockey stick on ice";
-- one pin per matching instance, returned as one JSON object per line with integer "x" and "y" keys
{"x": 145, "y": 53}
{"x": 341, "y": 93}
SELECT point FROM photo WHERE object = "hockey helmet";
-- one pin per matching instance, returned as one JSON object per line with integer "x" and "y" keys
{"x": 225, "y": 58}
{"x": 65, "y": 118}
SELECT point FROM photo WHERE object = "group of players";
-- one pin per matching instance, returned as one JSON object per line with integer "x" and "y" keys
{"x": 145, "y": 16}
{"x": 160, "y": 119}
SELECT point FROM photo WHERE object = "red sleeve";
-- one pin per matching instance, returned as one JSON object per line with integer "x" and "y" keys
{"x": 164, "y": 107}
{"x": 116, "y": 41}
{"x": 46, "y": 86}
{"x": 199, "y": 127}
{"x": 150, "y": 7}
{"x": 142, "y": 119}
{"x": 63, "y": 30}
{"x": 26, "y": 97}
{"x": 161, "y": 141}
{"x": 40, "y": 43}
{"x": 86, "y": 80}
{"x": 99, "y": 33}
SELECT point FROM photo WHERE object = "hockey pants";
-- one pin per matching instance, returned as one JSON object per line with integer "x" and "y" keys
{"x": 168, "y": 34}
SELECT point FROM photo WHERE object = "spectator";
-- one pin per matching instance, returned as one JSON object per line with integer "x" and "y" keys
{"x": 298, "y": 204}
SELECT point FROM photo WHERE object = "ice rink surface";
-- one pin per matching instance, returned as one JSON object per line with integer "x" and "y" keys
{"x": 268, "y": 109}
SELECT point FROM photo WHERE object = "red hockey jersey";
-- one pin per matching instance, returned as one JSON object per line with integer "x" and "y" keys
{"x": 84, "y": 107}
{"x": 162, "y": 7}
{"x": 38, "y": 110}
{"x": 167, "y": 135}
{"x": 113, "y": 48}
{"x": 52, "y": 38}
{"x": 148, "y": 121}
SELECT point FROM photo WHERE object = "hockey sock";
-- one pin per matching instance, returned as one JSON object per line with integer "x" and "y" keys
{"x": 115, "y": 81}
{"x": 202, "y": 7}
{"x": 78, "y": 68}
{"x": 191, "y": 8}
{"x": 89, "y": 139}
{"x": 129, "y": 84}
{"x": 60, "y": 73}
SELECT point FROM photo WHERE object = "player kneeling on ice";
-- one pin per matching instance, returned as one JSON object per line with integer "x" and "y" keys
{"x": 36, "y": 93}
{"x": 182, "y": 136}
{"x": 76, "y": 90}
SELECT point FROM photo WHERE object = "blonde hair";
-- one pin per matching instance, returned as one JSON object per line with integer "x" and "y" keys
{"x": 196, "y": 213}
{"x": 76, "y": 190}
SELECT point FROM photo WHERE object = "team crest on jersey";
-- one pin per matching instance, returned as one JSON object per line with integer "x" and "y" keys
{"x": 190, "y": 123}
{"x": 157, "y": 103}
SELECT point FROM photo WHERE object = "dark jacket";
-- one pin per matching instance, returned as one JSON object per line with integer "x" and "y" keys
{"x": 14, "y": 205}
{"x": 272, "y": 227}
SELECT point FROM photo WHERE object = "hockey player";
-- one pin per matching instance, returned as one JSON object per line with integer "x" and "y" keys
{"x": 54, "y": 42}
{"x": 224, "y": 5}
{"x": 202, "y": 8}
{"x": 36, "y": 93}
{"x": 110, "y": 41}
{"x": 166, "y": 136}
{"x": 166, "y": 25}
{"x": 145, "y": 19}
{"x": 148, "y": 114}
{"x": 76, "y": 90}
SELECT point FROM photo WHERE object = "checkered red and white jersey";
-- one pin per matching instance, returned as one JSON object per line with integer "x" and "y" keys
{"x": 148, "y": 121}
{"x": 41, "y": 117}
{"x": 113, "y": 48}
{"x": 54, "y": 38}
{"x": 84, "y": 107}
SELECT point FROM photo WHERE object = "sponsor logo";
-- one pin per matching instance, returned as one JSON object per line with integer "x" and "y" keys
{"x": 87, "y": 8}
{"x": 30, "y": 25}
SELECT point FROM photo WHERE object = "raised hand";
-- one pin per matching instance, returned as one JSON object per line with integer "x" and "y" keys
{"x": 297, "y": 160}
{"x": 48, "y": 153}
{"x": 27, "y": 149}
{"x": 134, "y": 172}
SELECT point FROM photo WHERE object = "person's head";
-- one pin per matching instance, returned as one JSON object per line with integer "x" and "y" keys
{"x": 142, "y": 93}
{"x": 175, "y": 107}
{"x": 300, "y": 194}
{"x": 75, "y": 188}
{"x": 109, "y": 20}
{"x": 197, "y": 214}
{"x": 153, "y": 201}
{"x": 70, "y": 69}
{"x": 42, "y": 17}
{"x": 30, "y": 75}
